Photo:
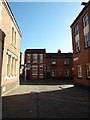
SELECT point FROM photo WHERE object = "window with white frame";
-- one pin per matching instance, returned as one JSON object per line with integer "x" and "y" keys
{"x": 34, "y": 70}
{"x": 12, "y": 67}
{"x": 9, "y": 65}
{"x": 85, "y": 20}
{"x": 76, "y": 29}
{"x": 67, "y": 73}
{"x": 53, "y": 73}
{"x": 87, "y": 40}
{"x": 78, "y": 46}
{"x": 34, "y": 58}
{"x": 13, "y": 37}
{"x": 79, "y": 71}
{"x": 28, "y": 57}
{"x": 15, "y": 67}
{"x": 88, "y": 70}
{"x": 53, "y": 61}
{"x": 41, "y": 70}
{"x": 41, "y": 58}
{"x": 66, "y": 61}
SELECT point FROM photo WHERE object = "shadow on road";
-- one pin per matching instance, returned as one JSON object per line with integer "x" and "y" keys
{"x": 45, "y": 82}
{"x": 63, "y": 103}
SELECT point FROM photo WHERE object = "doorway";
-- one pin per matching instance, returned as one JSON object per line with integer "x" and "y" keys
{"x": 28, "y": 74}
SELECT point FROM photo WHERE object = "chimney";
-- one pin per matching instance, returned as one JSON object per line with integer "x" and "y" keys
{"x": 59, "y": 51}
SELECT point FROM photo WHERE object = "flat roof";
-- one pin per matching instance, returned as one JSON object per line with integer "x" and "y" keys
{"x": 35, "y": 50}
{"x": 59, "y": 55}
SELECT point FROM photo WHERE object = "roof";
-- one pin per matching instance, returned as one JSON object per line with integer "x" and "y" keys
{"x": 59, "y": 55}
{"x": 7, "y": 5}
{"x": 80, "y": 14}
{"x": 35, "y": 50}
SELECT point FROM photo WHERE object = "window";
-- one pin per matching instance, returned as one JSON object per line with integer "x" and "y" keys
{"x": 41, "y": 70}
{"x": 41, "y": 58}
{"x": 28, "y": 57}
{"x": 15, "y": 67}
{"x": 34, "y": 70}
{"x": 53, "y": 61}
{"x": 79, "y": 71}
{"x": 13, "y": 37}
{"x": 28, "y": 66}
{"x": 88, "y": 70}
{"x": 85, "y": 20}
{"x": 87, "y": 40}
{"x": 53, "y": 73}
{"x": 66, "y": 61}
{"x": 11, "y": 65}
{"x": 78, "y": 46}
{"x": 34, "y": 58}
{"x": 76, "y": 29}
{"x": 8, "y": 66}
{"x": 66, "y": 73}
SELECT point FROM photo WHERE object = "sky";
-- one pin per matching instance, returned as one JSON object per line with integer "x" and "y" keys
{"x": 46, "y": 25}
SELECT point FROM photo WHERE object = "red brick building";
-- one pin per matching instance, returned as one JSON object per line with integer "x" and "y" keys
{"x": 81, "y": 47}
{"x": 42, "y": 65}
{"x": 34, "y": 64}
{"x": 59, "y": 66}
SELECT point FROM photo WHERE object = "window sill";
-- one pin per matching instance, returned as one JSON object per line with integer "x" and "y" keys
{"x": 40, "y": 62}
{"x": 54, "y": 64}
{"x": 13, "y": 46}
{"x": 9, "y": 78}
{"x": 66, "y": 64}
{"x": 34, "y": 74}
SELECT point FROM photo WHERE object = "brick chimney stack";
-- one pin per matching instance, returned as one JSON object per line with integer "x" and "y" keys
{"x": 59, "y": 50}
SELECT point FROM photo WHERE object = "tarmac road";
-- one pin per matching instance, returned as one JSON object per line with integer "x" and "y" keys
{"x": 60, "y": 100}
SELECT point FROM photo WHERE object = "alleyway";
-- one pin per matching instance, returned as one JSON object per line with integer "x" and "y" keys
{"x": 56, "y": 100}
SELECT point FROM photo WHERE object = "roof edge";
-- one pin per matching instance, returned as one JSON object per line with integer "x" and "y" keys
{"x": 12, "y": 16}
{"x": 78, "y": 16}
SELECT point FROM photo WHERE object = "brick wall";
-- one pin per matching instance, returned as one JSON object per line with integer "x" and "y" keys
{"x": 60, "y": 68}
{"x": 83, "y": 56}
{"x": 6, "y": 25}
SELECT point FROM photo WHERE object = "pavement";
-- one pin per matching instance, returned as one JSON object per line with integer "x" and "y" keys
{"x": 46, "y": 99}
